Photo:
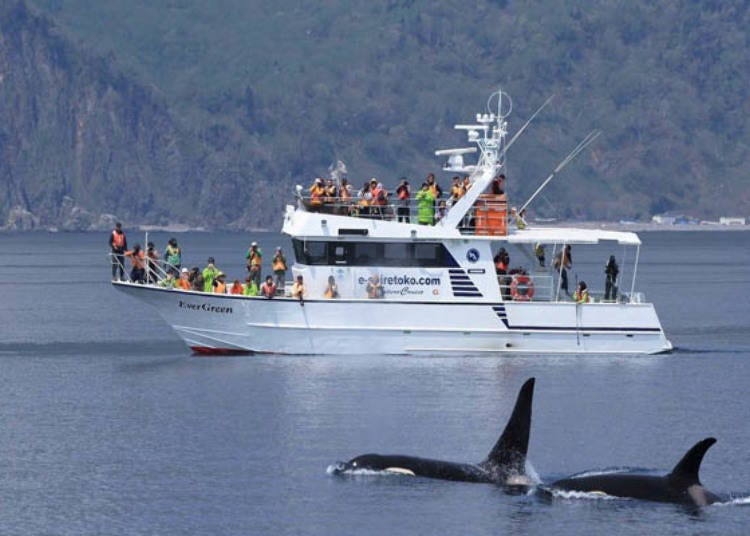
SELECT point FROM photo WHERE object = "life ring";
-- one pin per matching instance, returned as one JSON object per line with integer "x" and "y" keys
{"x": 522, "y": 288}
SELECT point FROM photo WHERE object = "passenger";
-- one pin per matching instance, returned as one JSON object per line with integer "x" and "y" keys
{"x": 466, "y": 184}
{"x": 279, "y": 267}
{"x": 379, "y": 198}
{"x": 364, "y": 198}
{"x": 457, "y": 190}
{"x": 173, "y": 257}
{"x": 374, "y": 288}
{"x": 442, "y": 210}
{"x": 539, "y": 252}
{"x": 317, "y": 193}
{"x": 332, "y": 192}
{"x": 502, "y": 264}
{"x": 581, "y": 294}
{"x": 517, "y": 219}
{"x": 137, "y": 272}
{"x": 169, "y": 281}
{"x": 610, "y": 283}
{"x": 152, "y": 263}
{"x": 332, "y": 290}
{"x": 209, "y": 274}
{"x": 437, "y": 192}
{"x": 119, "y": 245}
{"x": 268, "y": 289}
{"x": 198, "y": 284}
{"x": 184, "y": 281}
{"x": 220, "y": 284}
{"x": 425, "y": 205}
{"x": 249, "y": 288}
{"x": 236, "y": 287}
{"x": 345, "y": 196}
{"x": 562, "y": 263}
{"x": 254, "y": 258}
{"x": 298, "y": 290}
{"x": 403, "y": 192}
{"x": 194, "y": 272}
{"x": 498, "y": 185}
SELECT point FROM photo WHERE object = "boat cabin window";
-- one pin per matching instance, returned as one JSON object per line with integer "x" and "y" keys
{"x": 401, "y": 254}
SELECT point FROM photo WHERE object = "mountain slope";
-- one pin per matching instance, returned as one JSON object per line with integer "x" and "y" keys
{"x": 268, "y": 94}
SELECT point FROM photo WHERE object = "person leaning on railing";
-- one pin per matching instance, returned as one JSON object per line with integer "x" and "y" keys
{"x": 137, "y": 272}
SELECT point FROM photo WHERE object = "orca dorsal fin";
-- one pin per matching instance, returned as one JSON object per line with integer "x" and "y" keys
{"x": 687, "y": 468}
{"x": 509, "y": 453}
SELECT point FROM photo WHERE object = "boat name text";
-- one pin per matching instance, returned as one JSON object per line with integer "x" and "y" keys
{"x": 205, "y": 307}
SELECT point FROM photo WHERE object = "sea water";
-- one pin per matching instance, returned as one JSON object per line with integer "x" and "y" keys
{"x": 108, "y": 425}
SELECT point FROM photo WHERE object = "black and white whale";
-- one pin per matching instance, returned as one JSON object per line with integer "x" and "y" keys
{"x": 505, "y": 464}
{"x": 682, "y": 485}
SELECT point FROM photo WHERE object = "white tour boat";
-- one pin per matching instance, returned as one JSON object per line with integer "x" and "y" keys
{"x": 437, "y": 288}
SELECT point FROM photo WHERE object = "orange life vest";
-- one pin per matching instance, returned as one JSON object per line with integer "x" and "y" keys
{"x": 118, "y": 240}
{"x": 278, "y": 264}
{"x": 254, "y": 259}
{"x": 220, "y": 288}
{"x": 316, "y": 194}
{"x": 236, "y": 289}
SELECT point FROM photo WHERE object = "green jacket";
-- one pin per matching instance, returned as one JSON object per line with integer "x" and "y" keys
{"x": 173, "y": 255}
{"x": 425, "y": 207}
{"x": 250, "y": 290}
{"x": 209, "y": 274}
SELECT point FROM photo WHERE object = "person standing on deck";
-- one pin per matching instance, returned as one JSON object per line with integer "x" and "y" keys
{"x": 173, "y": 256}
{"x": 119, "y": 245}
{"x": 254, "y": 258}
{"x": 279, "y": 267}
{"x": 425, "y": 206}
{"x": 457, "y": 190}
{"x": 562, "y": 263}
{"x": 610, "y": 284}
{"x": 209, "y": 274}
{"x": 152, "y": 263}
{"x": 436, "y": 190}
{"x": 403, "y": 193}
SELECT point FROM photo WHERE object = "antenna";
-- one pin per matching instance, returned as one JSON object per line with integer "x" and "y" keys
{"x": 588, "y": 140}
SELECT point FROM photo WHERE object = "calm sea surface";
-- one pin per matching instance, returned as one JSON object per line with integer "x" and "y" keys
{"x": 109, "y": 426}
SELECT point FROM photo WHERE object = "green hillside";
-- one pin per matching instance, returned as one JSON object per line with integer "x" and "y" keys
{"x": 263, "y": 95}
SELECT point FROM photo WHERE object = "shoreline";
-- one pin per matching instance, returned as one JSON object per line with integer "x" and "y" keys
{"x": 604, "y": 225}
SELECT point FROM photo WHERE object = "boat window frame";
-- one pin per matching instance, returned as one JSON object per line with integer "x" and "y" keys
{"x": 356, "y": 253}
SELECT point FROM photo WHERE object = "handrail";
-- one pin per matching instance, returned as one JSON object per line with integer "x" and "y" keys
{"x": 488, "y": 216}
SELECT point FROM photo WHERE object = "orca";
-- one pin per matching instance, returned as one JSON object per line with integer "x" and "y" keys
{"x": 682, "y": 485}
{"x": 505, "y": 464}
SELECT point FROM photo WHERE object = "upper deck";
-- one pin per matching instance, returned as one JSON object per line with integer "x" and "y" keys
{"x": 476, "y": 214}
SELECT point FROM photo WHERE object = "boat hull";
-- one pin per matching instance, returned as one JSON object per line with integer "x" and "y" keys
{"x": 225, "y": 324}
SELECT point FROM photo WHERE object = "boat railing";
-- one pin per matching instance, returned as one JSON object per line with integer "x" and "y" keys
{"x": 488, "y": 216}
{"x": 155, "y": 270}
{"x": 542, "y": 287}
